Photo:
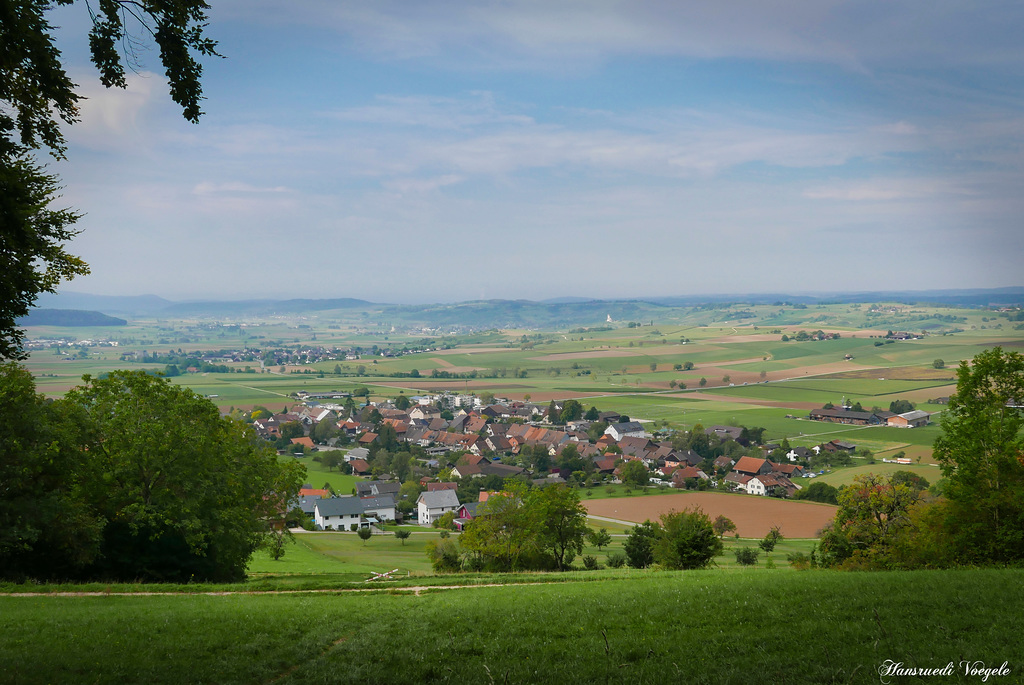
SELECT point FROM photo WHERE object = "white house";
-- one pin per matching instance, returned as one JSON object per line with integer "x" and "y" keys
{"x": 338, "y": 513}
{"x": 433, "y": 505}
{"x": 381, "y": 506}
{"x": 357, "y": 453}
{"x": 618, "y": 431}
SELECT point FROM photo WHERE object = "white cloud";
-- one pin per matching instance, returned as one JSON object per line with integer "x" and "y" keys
{"x": 208, "y": 188}
{"x": 115, "y": 118}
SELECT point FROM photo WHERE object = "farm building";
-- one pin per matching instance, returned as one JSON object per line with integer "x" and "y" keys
{"x": 910, "y": 419}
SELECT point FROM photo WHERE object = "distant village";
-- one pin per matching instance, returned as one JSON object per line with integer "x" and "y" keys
{"x": 435, "y": 455}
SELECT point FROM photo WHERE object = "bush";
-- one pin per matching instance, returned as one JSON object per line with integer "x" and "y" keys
{"x": 590, "y": 562}
{"x": 443, "y": 555}
{"x": 616, "y": 560}
{"x": 746, "y": 556}
{"x": 799, "y": 561}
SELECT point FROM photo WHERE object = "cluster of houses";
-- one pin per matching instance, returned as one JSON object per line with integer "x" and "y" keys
{"x": 485, "y": 441}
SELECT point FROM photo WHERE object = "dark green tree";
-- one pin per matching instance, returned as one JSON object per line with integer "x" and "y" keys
{"x": 364, "y": 534}
{"x": 819, "y": 492}
{"x": 184, "y": 492}
{"x": 403, "y": 535}
{"x": 980, "y": 451}
{"x": 47, "y": 526}
{"x": 562, "y": 522}
{"x": 687, "y": 540}
{"x": 633, "y": 472}
{"x": 572, "y": 410}
{"x": 639, "y": 546}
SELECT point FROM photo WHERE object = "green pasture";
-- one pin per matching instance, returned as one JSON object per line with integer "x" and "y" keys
{"x": 619, "y": 630}
{"x": 317, "y": 474}
{"x": 844, "y": 476}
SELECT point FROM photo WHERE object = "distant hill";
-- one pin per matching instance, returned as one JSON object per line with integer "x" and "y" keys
{"x": 562, "y": 312}
{"x": 241, "y": 307}
{"x": 121, "y": 304}
{"x": 69, "y": 317}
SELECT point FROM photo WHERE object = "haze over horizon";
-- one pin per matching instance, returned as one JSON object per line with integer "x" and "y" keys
{"x": 445, "y": 152}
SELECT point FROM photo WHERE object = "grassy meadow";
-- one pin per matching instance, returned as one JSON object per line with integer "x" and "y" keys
{"x": 652, "y": 627}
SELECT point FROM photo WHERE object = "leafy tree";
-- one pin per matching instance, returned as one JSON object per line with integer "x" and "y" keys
{"x": 572, "y": 410}
{"x": 687, "y": 540}
{"x": 687, "y": 366}
{"x": 722, "y": 525}
{"x": 901, "y": 406}
{"x": 818, "y": 492}
{"x": 182, "y": 492}
{"x": 639, "y": 546}
{"x": 599, "y": 538}
{"x": 873, "y": 512}
{"x": 554, "y": 416}
{"x": 912, "y": 480}
{"x": 593, "y": 415}
{"x": 331, "y": 460}
{"x": 487, "y": 397}
{"x": 980, "y": 454}
{"x": 703, "y": 381}
{"x": 503, "y": 530}
{"x": 403, "y": 535}
{"x": 562, "y": 522}
{"x": 47, "y": 525}
{"x": 402, "y": 402}
{"x": 276, "y": 541}
{"x": 938, "y": 364}
{"x": 771, "y": 538}
{"x": 634, "y": 472}
{"x": 364, "y": 534}
{"x": 292, "y": 429}
{"x": 324, "y": 431}
{"x": 36, "y": 94}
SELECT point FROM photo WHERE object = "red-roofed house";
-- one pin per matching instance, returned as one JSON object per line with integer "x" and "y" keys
{"x": 752, "y": 466}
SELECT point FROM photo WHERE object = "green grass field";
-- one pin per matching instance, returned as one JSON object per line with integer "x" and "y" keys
{"x": 744, "y": 626}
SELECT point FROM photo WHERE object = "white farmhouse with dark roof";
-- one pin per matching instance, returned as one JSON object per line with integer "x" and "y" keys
{"x": 432, "y": 505}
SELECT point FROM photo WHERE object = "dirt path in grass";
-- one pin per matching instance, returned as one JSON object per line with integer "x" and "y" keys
{"x": 412, "y": 589}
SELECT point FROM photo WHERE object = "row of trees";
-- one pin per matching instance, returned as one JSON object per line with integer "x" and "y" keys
{"x": 977, "y": 515}
{"x": 130, "y": 477}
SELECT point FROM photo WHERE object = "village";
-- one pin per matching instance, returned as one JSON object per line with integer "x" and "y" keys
{"x": 454, "y": 451}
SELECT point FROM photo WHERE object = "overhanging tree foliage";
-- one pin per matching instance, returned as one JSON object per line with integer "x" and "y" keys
{"x": 36, "y": 95}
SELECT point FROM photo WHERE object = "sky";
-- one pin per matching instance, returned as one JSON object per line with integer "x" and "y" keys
{"x": 414, "y": 152}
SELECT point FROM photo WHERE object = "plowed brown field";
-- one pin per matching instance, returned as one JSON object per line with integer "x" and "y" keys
{"x": 753, "y": 515}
